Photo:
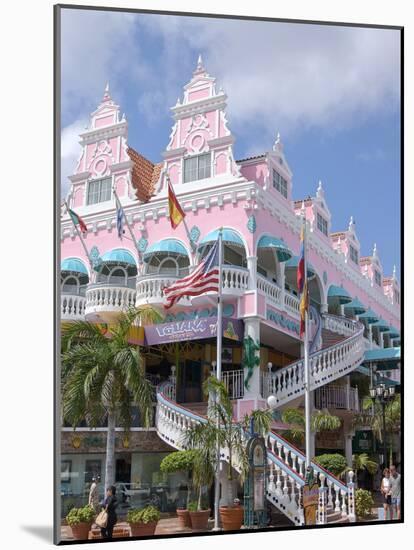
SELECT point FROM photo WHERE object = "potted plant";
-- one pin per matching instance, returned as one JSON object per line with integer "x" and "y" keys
{"x": 80, "y": 520}
{"x": 198, "y": 516}
{"x": 220, "y": 429}
{"x": 181, "y": 461}
{"x": 143, "y": 521}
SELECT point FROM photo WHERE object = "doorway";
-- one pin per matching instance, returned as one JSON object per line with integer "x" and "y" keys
{"x": 190, "y": 390}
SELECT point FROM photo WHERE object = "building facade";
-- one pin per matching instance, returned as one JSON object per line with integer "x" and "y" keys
{"x": 355, "y": 320}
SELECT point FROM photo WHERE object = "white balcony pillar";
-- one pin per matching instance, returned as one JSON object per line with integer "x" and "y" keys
{"x": 252, "y": 267}
{"x": 370, "y": 336}
{"x": 381, "y": 339}
{"x": 252, "y": 330}
{"x": 281, "y": 282}
{"x": 348, "y": 435}
{"x": 324, "y": 308}
{"x": 341, "y": 310}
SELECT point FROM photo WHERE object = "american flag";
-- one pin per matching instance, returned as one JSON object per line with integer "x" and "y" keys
{"x": 204, "y": 279}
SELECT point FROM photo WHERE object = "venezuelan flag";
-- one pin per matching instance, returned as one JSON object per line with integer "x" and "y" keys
{"x": 303, "y": 307}
{"x": 176, "y": 212}
{"x": 300, "y": 276}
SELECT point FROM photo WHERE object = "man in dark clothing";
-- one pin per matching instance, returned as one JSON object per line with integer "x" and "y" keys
{"x": 110, "y": 504}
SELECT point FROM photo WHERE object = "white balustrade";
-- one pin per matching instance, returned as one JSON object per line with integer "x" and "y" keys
{"x": 325, "y": 365}
{"x": 108, "y": 298}
{"x": 292, "y": 303}
{"x": 337, "y": 397}
{"x": 235, "y": 280}
{"x": 272, "y": 291}
{"x": 234, "y": 383}
{"x": 72, "y": 307}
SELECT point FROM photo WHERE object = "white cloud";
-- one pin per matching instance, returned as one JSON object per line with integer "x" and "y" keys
{"x": 70, "y": 151}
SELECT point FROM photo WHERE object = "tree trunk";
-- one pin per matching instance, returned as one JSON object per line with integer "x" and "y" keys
{"x": 110, "y": 451}
{"x": 199, "y": 499}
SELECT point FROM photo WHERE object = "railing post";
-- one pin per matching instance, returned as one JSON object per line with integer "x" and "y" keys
{"x": 351, "y": 498}
{"x": 322, "y": 500}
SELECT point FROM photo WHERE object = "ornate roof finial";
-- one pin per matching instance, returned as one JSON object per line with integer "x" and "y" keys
{"x": 319, "y": 191}
{"x": 303, "y": 208}
{"x": 394, "y": 272}
{"x": 278, "y": 146}
{"x": 106, "y": 95}
{"x": 200, "y": 66}
{"x": 178, "y": 102}
{"x": 374, "y": 252}
{"x": 351, "y": 223}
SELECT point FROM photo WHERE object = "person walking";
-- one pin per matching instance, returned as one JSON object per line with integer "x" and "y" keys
{"x": 110, "y": 504}
{"x": 395, "y": 486}
{"x": 386, "y": 493}
{"x": 94, "y": 494}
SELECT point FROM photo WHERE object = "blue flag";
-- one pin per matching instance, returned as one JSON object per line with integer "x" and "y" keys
{"x": 120, "y": 219}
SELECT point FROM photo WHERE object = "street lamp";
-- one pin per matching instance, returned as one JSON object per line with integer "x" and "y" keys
{"x": 383, "y": 395}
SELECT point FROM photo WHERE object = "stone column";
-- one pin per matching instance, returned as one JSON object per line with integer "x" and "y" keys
{"x": 252, "y": 267}
{"x": 370, "y": 336}
{"x": 252, "y": 329}
{"x": 342, "y": 310}
{"x": 348, "y": 435}
{"x": 381, "y": 339}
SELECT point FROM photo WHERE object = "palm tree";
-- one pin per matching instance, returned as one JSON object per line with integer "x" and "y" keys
{"x": 221, "y": 430}
{"x": 102, "y": 376}
{"x": 320, "y": 421}
{"x": 372, "y": 416}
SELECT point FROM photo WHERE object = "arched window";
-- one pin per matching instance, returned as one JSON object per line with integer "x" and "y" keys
{"x": 70, "y": 285}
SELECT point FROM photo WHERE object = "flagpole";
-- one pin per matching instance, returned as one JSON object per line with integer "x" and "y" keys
{"x": 81, "y": 240}
{"x": 306, "y": 357}
{"x": 134, "y": 240}
{"x": 218, "y": 375}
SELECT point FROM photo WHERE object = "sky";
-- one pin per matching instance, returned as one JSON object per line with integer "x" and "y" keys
{"x": 332, "y": 92}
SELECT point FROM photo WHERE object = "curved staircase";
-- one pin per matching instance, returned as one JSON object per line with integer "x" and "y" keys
{"x": 342, "y": 351}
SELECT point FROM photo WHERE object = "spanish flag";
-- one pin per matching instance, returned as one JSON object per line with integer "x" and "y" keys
{"x": 176, "y": 212}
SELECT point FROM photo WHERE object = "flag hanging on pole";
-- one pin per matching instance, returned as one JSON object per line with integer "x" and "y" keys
{"x": 177, "y": 214}
{"x": 120, "y": 219}
{"x": 77, "y": 220}
{"x": 204, "y": 279}
{"x": 302, "y": 281}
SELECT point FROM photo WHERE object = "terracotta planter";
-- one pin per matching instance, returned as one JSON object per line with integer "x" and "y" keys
{"x": 184, "y": 518}
{"x": 231, "y": 517}
{"x": 199, "y": 520}
{"x": 143, "y": 529}
{"x": 80, "y": 531}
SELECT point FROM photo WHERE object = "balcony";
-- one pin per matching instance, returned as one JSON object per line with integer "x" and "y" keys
{"x": 72, "y": 307}
{"x": 150, "y": 288}
{"x": 274, "y": 295}
{"x": 106, "y": 300}
{"x": 337, "y": 397}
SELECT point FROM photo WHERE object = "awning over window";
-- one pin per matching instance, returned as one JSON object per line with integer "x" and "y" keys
{"x": 339, "y": 294}
{"x": 356, "y": 307}
{"x": 293, "y": 264}
{"x": 393, "y": 332}
{"x": 382, "y": 354}
{"x": 228, "y": 236}
{"x": 369, "y": 316}
{"x": 73, "y": 265}
{"x": 272, "y": 243}
{"x": 167, "y": 247}
{"x": 117, "y": 256}
{"x": 381, "y": 325}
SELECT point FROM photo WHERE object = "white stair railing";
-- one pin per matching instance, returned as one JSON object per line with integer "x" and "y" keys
{"x": 325, "y": 365}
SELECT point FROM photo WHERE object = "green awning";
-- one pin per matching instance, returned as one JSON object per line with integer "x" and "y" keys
{"x": 73, "y": 265}
{"x": 228, "y": 237}
{"x": 339, "y": 294}
{"x": 168, "y": 247}
{"x": 386, "y": 381}
{"x": 294, "y": 262}
{"x": 356, "y": 307}
{"x": 369, "y": 316}
{"x": 117, "y": 256}
{"x": 382, "y": 354}
{"x": 272, "y": 243}
{"x": 381, "y": 325}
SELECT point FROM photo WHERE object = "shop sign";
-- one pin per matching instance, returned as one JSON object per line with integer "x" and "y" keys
{"x": 362, "y": 442}
{"x": 282, "y": 321}
{"x": 192, "y": 329}
{"x": 310, "y": 499}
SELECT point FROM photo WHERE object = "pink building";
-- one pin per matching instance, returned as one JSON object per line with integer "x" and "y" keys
{"x": 252, "y": 199}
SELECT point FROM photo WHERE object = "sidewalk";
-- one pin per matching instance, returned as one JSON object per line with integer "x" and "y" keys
{"x": 166, "y": 526}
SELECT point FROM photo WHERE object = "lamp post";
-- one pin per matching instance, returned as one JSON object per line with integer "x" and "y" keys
{"x": 383, "y": 395}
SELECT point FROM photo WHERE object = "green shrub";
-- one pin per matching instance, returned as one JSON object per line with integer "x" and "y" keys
{"x": 363, "y": 503}
{"x": 149, "y": 514}
{"x": 81, "y": 515}
{"x": 334, "y": 463}
{"x": 179, "y": 461}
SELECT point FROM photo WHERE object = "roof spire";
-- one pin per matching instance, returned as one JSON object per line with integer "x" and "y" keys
{"x": 200, "y": 66}
{"x": 107, "y": 95}
{"x": 278, "y": 145}
{"x": 394, "y": 273}
{"x": 319, "y": 190}
{"x": 351, "y": 223}
{"x": 374, "y": 252}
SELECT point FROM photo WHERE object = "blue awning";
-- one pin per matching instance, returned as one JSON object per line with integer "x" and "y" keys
{"x": 293, "y": 264}
{"x": 369, "y": 316}
{"x": 118, "y": 256}
{"x": 356, "y": 307}
{"x": 393, "y": 332}
{"x": 382, "y": 354}
{"x": 381, "y": 325}
{"x": 171, "y": 247}
{"x": 74, "y": 266}
{"x": 228, "y": 236}
{"x": 338, "y": 293}
{"x": 283, "y": 252}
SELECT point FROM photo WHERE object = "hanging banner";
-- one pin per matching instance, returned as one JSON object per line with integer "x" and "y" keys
{"x": 192, "y": 329}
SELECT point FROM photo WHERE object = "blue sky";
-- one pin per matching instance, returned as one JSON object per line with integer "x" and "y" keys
{"x": 332, "y": 93}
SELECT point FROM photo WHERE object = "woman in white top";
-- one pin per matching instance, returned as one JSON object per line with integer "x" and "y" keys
{"x": 385, "y": 490}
